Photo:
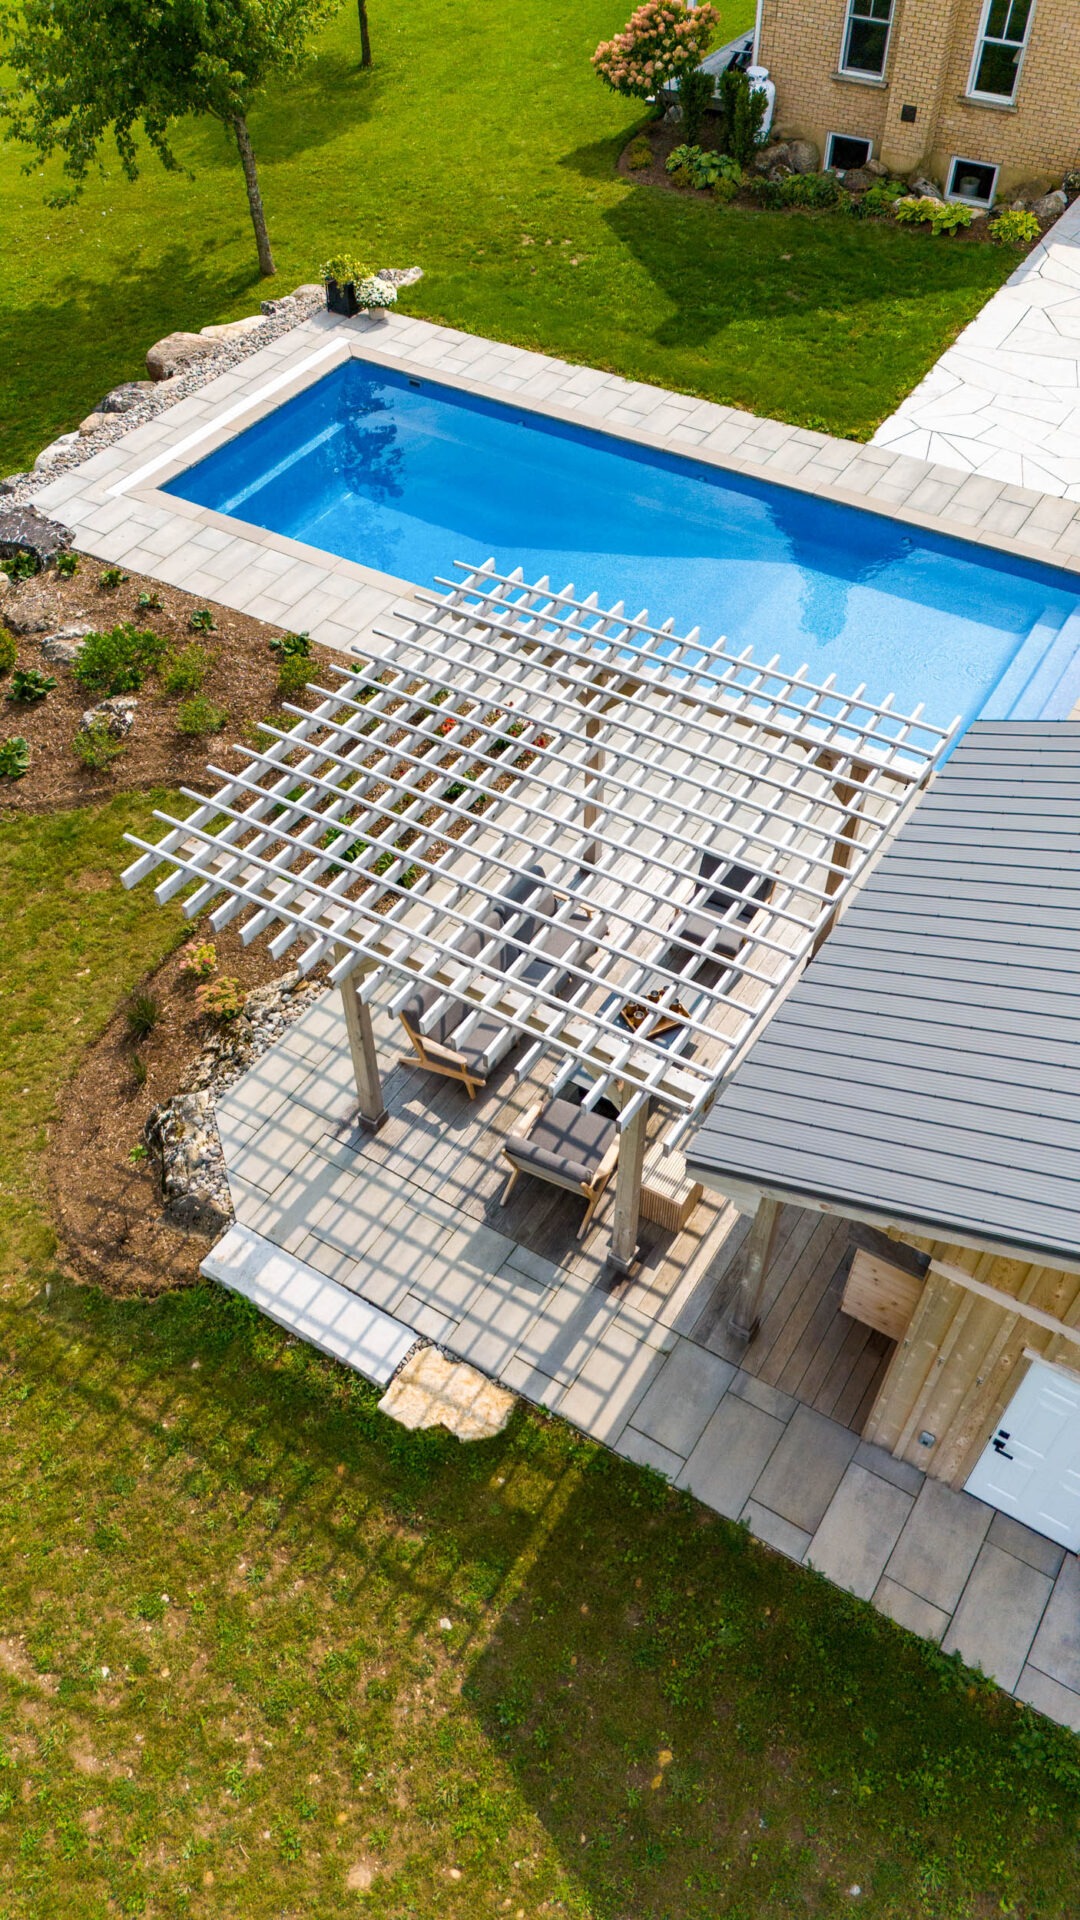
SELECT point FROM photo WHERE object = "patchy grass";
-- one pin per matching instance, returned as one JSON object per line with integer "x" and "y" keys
{"x": 482, "y": 145}
{"x": 226, "y": 1688}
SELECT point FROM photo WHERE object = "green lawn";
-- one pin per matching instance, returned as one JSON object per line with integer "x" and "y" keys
{"x": 481, "y": 145}
{"x": 225, "y": 1685}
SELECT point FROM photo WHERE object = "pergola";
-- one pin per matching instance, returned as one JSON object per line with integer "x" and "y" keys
{"x": 510, "y": 729}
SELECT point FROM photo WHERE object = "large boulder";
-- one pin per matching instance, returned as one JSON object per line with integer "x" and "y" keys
{"x": 25, "y": 530}
{"x": 92, "y": 424}
{"x": 859, "y": 179}
{"x": 234, "y": 329}
{"x": 803, "y": 156}
{"x": 116, "y": 715}
{"x": 177, "y": 353}
{"x": 183, "y": 1140}
{"x": 400, "y": 276}
{"x": 925, "y": 188}
{"x": 1050, "y": 206}
{"x": 62, "y": 648}
{"x": 774, "y": 160}
{"x": 49, "y": 455}
{"x": 121, "y": 399}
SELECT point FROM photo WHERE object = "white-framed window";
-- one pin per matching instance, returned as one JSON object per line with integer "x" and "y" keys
{"x": 866, "y": 38}
{"x": 1000, "y": 48}
{"x": 844, "y": 150}
{"x": 974, "y": 181}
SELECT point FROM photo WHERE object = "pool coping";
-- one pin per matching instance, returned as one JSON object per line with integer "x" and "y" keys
{"x": 116, "y": 509}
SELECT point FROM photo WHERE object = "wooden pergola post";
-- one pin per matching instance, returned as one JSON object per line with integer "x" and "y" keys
{"x": 624, "y": 1231}
{"x": 844, "y": 843}
{"x": 744, "y": 1313}
{"x": 364, "y": 1057}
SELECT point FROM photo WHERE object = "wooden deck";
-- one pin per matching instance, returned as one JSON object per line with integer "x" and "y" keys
{"x": 806, "y": 1346}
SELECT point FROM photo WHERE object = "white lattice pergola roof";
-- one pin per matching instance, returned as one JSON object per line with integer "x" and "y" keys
{"x": 513, "y": 728}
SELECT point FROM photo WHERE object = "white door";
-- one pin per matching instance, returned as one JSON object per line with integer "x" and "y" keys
{"x": 1031, "y": 1465}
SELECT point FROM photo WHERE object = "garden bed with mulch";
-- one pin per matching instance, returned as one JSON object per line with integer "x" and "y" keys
{"x": 659, "y": 138}
{"x": 240, "y": 680}
{"x": 107, "y": 1203}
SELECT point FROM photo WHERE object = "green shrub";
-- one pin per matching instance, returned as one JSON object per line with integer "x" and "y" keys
{"x": 345, "y": 268}
{"x": 9, "y": 651}
{"x": 29, "y": 683}
{"x": 695, "y": 99}
{"x": 110, "y": 577}
{"x": 878, "y": 199}
{"x": 293, "y": 675}
{"x": 202, "y": 621}
{"x": 702, "y": 167}
{"x": 219, "y": 999}
{"x": 148, "y": 602}
{"x": 742, "y": 109}
{"x": 118, "y": 661}
{"x": 14, "y": 757}
{"x": 1016, "y": 228}
{"x": 67, "y": 565}
{"x": 199, "y": 716}
{"x": 184, "y": 672}
{"x": 200, "y": 960}
{"x": 939, "y": 215}
{"x": 20, "y": 566}
{"x": 143, "y": 1013}
{"x": 814, "y": 191}
{"x": 639, "y": 154}
{"x": 293, "y": 643}
{"x": 96, "y": 747}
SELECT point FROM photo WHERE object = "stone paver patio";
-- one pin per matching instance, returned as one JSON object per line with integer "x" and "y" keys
{"x": 117, "y": 510}
{"x": 1004, "y": 401}
{"x": 356, "y": 1214}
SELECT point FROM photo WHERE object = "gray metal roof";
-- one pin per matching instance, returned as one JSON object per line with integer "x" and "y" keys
{"x": 927, "y": 1065}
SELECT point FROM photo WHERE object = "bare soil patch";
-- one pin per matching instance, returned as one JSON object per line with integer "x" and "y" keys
{"x": 242, "y": 680}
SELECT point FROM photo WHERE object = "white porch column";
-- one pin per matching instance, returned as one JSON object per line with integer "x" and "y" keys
{"x": 744, "y": 1312}
{"x": 624, "y": 1232}
{"x": 364, "y": 1058}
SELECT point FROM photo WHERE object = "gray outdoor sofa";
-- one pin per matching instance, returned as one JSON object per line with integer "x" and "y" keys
{"x": 450, "y": 1036}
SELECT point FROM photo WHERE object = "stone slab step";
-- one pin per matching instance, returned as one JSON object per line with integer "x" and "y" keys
{"x": 316, "y": 1309}
{"x": 1055, "y": 688}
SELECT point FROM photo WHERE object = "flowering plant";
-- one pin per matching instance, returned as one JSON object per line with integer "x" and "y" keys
{"x": 660, "y": 41}
{"x": 374, "y": 292}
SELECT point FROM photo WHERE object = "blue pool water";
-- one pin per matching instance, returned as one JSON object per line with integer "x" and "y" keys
{"x": 408, "y": 476}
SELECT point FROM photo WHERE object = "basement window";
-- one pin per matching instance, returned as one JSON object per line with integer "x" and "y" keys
{"x": 843, "y": 150}
{"x": 974, "y": 181}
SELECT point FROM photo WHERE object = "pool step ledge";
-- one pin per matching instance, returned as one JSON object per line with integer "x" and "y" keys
{"x": 1054, "y": 688}
{"x": 1005, "y": 698}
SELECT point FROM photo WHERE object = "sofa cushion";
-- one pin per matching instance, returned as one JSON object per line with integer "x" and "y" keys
{"x": 566, "y": 1143}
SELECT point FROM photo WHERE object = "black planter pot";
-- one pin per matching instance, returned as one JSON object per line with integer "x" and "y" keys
{"x": 342, "y": 299}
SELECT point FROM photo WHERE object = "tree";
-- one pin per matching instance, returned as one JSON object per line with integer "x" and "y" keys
{"x": 365, "y": 34}
{"x": 661, "y": 45}
{"x": 88, "y": 69}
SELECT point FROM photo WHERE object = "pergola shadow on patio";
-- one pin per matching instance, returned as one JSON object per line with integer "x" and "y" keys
{"x": 564, "y": 833}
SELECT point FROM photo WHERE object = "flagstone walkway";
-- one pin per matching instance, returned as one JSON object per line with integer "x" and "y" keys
{"x": 363, "y": 1244}
{"x": 1004, "y": 401}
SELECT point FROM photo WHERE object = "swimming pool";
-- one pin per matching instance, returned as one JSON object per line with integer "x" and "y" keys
{"x": 407, "y": 476}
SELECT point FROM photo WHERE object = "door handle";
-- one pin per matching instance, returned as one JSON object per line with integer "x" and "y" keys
{"x": 1000, "y": 1438}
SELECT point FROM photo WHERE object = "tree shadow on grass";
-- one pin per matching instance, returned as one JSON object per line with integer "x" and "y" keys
{"x": 328, "y": 97}
{"x": 61, "y": 363}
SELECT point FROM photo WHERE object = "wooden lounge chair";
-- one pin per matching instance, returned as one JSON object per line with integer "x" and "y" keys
{"x": 567, "y": 1146}
{"x": 436, "y": 1021}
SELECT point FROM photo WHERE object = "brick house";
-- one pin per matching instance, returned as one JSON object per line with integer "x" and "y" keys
{"x": 980, "y": 94}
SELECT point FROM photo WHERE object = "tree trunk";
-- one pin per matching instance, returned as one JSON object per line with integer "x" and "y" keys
{"x": 365, "y": 34}
{"x": 251, "y": 181}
